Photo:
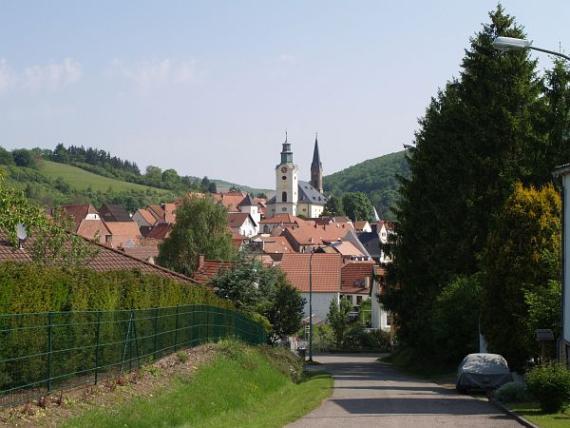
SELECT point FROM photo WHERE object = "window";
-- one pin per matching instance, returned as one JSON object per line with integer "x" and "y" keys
{"x": 284, "y": 197}
{"x": 284, "y": 177}
{"x": 284, "y": 209}
{"x": 358, "y": 300}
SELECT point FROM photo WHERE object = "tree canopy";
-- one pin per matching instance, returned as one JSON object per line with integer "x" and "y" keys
{"x": 201, "y": 229}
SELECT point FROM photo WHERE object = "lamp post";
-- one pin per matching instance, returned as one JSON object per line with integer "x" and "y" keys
{"x": 311, "y": 306}
{"x": 511, "y": 43}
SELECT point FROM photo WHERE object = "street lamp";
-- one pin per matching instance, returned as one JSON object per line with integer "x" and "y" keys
{"x": 511, "y": 43}
{"x": 311, "y": 306}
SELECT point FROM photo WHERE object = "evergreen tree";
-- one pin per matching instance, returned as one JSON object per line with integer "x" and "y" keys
{"x": 471, "y": 148}
{"x": 521, "y": 257}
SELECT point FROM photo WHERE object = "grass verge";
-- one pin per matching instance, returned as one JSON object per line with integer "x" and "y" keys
{"x": 242, "y": 386}
{"x": 532, "y": 413}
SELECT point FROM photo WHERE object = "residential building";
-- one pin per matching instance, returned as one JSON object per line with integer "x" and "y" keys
{"x": 380, "y": 318}
{"x": 322, "y": 271}
{"x": 86, "y": 222}
{"x": 362, "y": 226}
{"x": 123, "y": 234}
{"x": 356, "y": 281}
{"x": 242, "y": 224}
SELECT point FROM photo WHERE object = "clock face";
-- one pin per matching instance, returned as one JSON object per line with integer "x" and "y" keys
{"x": 284, "y": 169}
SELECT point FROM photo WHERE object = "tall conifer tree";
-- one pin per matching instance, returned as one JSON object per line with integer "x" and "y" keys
{"x": 469, "y": 152}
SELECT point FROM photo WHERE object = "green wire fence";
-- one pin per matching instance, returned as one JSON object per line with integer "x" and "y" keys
{"x": 51, "y": 351}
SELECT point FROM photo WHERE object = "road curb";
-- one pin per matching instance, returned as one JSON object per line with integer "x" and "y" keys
{"x": 515, "y": 415}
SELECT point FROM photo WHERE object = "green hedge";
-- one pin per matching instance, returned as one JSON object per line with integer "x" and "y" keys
{"x": 27, "y": 287}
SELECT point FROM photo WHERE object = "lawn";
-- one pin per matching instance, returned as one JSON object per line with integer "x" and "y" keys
{"x": 241, "y": 387}
{"x": 81, "y": 179}
{"x": 532, "y": 413}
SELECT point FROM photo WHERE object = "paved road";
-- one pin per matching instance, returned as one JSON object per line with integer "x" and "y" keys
{"x": 371, "y": 394}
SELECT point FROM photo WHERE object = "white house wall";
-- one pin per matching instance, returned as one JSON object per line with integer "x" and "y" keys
{"x": 321, "y": 304}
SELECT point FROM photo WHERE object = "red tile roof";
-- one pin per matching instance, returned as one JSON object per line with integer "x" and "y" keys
{"x": 208, "y": 269}
{"x": 93, "y": 228}
{"x": 124, "y": 233}
{"x": 230, "y": 200}
{"x": 160, "y": 231}
{"x": 79, "y": 212}
{"x": 106, "y": 259}
{"x": 281, "y": 219}
{"x": 354, "y": 277}
{"x": 313, "y": 234}
{"x": 236, "y": 220}
{"x": 325, "y": 271}
{"x": 348, "y": 249}
{"x": 148, "y": 216}
{"x": 275, "y": 244}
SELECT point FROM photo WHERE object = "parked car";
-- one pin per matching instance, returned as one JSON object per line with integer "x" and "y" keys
{"x": 482, "y": 372}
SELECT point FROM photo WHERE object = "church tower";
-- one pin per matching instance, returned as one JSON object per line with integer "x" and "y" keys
{"x": 286, "y": 182}
{"x": 317, "y": 168}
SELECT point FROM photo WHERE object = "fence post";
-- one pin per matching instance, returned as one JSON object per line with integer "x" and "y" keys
{"x": 155, "y": 322}
{"x": 176, "y": 331}
{"x": 49, "y": 350}
{"x": 207, "y": 308}
{"x": 97, "y": 341}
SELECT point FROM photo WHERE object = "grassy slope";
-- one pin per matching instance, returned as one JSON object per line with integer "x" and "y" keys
{"x": 375, "y": 177}
{"x": 80, "y": 179}
{"x": 243, "y": 386}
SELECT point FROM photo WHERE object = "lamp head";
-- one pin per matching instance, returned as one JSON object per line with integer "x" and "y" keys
{"x": 510, "y": 43}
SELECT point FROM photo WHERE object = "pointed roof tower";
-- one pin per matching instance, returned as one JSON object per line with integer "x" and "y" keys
{"x": 316, "y": 156}
{"x": 317, "y": 168}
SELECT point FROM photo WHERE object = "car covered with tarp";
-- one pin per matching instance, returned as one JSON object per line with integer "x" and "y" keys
{"x": 482, "y": 372}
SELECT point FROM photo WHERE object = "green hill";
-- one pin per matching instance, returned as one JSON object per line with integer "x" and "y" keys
{"x": 375, "y": 177}
{"x": 80, "y": 179}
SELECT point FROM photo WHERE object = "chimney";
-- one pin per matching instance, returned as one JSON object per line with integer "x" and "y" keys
{"x": 201, "y": 260}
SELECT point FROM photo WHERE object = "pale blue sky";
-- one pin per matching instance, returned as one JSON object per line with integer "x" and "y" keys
{"x": 208, "y": 87}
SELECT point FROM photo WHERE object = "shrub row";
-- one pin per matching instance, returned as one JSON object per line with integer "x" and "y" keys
{"x": 27, "y": 287}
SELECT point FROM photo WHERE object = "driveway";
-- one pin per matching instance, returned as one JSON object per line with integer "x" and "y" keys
{"x": 372, "y": 394}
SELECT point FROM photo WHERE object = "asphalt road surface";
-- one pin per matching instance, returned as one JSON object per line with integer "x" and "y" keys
{"x": 372, "y": 394}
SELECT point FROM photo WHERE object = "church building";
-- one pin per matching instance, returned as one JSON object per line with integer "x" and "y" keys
{"x": 293, "y": 196}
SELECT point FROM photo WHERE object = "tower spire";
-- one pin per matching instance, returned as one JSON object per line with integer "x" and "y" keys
{"x": 317, "y": 167}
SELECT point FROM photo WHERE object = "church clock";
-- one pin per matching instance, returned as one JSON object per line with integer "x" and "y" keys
{"x": 284, "y": 169}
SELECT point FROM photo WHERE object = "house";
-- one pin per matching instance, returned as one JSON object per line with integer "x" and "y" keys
{"x": 86, "y": 222}
{"x": 242, "y": 224}
{"x": 307, "y": 236}
{"x": 106, "y": 259}
{"x": 230, "y": 200}
{"x": 321, "y": 272}
{"x": 348, "y": 251}
{"x": 207, "y": 269}
{"x": 271, "y": 244}
{"x": 159, "y": 232}
{"x": 110, "y": 212}
{"x": 267, "y": 225}
{"x": 146, "y": 219}
{"x": 123, "y": 234}
{"x": 356, "y": 281}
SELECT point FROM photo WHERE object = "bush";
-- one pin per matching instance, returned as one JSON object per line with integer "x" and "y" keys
{"x": 359, "y": 339}
{"x": 513, "y": 392}
{"x": 550, "y": 385}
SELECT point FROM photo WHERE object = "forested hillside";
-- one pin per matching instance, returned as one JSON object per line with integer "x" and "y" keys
{"x": 80, "y": 175}
{"x": 375, "y": 177}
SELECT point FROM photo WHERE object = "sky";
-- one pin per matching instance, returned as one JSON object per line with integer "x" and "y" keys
{"x": 209, "y": 87}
